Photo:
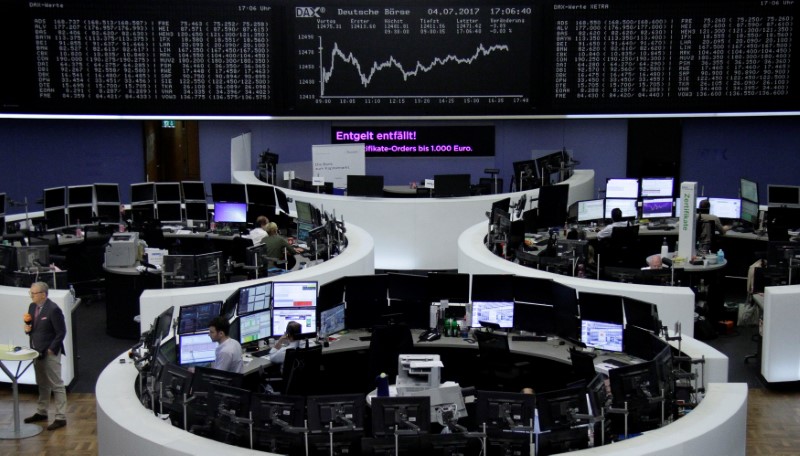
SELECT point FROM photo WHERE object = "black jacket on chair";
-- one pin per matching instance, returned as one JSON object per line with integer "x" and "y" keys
{"x": 49, "y": 329}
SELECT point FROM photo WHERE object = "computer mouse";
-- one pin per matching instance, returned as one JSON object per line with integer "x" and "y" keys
{"x": 561, "y": 342}
{"x": 17, "y": 348}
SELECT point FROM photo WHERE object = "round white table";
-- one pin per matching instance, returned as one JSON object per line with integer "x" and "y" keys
{"x": 7, "y": 354}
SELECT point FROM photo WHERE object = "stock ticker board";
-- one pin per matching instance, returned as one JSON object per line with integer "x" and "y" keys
{"x": 380, "y": 58}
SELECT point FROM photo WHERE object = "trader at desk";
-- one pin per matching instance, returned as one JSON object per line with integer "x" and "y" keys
{"x": 704, "y": 236}
{"x": 616, "y": 219}
{"x": 279, "y": 247}
{"x": 258, "y": 233}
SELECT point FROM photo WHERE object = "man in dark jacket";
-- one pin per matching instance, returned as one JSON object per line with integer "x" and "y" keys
{"x": 47, "y": 331}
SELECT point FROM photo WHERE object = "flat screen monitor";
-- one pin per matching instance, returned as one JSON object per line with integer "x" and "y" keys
{"x": 143, "y": 193}
{"x": 557, "y": 409}
{"x": 254, "y": 298}
{"x": 176, "y": 380}
{"x": 452, "y": 287}
{"x": 197, "y": 211}
{"x": 80, "y": 214}
{"x": 107, "y": 193}
{"x": 196, "y": 349}
{"x": 591, "y": 210}
{"x": 277, "y": 411}
{"x": 407, "y": 287}
{"x": 163, "y": 324}
{"x": 531, "y": 290}
{"x": 526, "y": 174}
{"x": 80, "y": 195}
{"x": 195, "y": 317}
{"x": 748, "y": 190}
{"x": 263, "y": 195}
{"x": 336, "y": 410}
{"x": 565, "y": 303}
{"x": 678, "y": 204}
{"x": 364, "y": 185}
{"x": 622, "y": 188}
{"x": 305, "y": 211}
{"x": 749, "y": 212}
{"x": 539, "y": 319}
{"x": 657, "y": 187}
{"x": 635, "y": 384}
{"x": 168, "y": 191}
{"x": 552, "y": 206}
{"x": 55, "y": 197}
{"x": 601, "y": 335}
{"x": 499, "y": 312}
{"x": 32, "y": 257}
{"x": 504, "y": 410}
{"x": 255, "y": 326}
{"x": 55, "y": 218}
{"x": 228, "y": 193}
{"x": 306, "y": 316}
{"x": 449, "y": 185}
{"x": 169, "y": 212}
{"x": 492, "y": 287}
{"x": 331, "y": 294}
{"x": 727, "y": 208}
{"x": 400, "y": 413}
{"x": 627, "y": 206}
{"x": 108, "y": 213}
{"x": 193, "y": 191}
{"x": 600, "y": 307}
{"x": 143, "y": 212}
{"x": 503, "y": 204}
{"x": 656, "y": 208}
{"x": 230, "y": 212}
{"x": 783, "y": 195}
{"x": 641, "y": 314}
{"x": 294, "y": 294}
{"x": 205, "y": 376}
{"x": 331, "y": 321}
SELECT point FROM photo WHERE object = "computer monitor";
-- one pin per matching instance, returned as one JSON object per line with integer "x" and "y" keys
{"x": 552, "y": 205}
{"x": 634, "y": 386}
{"x": 452, "y": 287}
{"x": 141, "y": 213}
{"x": 277, "y": 411}
{"x": 55, "y": 197}
{"x": 195, "y": 317}
{"x": 179, "y": 267}
{"x": 622, "y": 188}
{"x": 492, "y": 287}
{"x": 601, "y": 335}
{"x": 498, "y": 312}
{"x": 163, "y": 324}
{"x": 80, "y": 195}
{"x": 78, "y": 213}
{"x": 409, "y": 413}
{"x": 107, "y": 193}
{"x": 656, "y": 208}
{"x": 143, "y": 193}
{"x": 641, "y": 314}
{"x": 255, "y": 327}
{"x": 364, "y": 185}
{"x": 230, "y": 212}
{"x": 503, "y": 204}
{"x": 228, "y": 193}
{"x": 727, "y": 208}
{"x": 262, "y": 195}
{"x": 531, "y": 290}
{"x": 450, "y": 185}
{"x": 678, "y": 204}
{"x": 748, "y": 190}
{"x": 629, "y": 208}
{"x": 195, "y": 349}
{"x": 539, "y": 319}
{"x": 294, "y": 294}
{"x": 591, "y": 210}
{"x": 205, "y": 376}
{"x": 657, "y": 187}
{"x": 526, "y": 174}
{"x": 169, "y": 212}
{"x": 209, "y": 266}
{"x": 168, "y": 191}
{"x": 32, "y": 257}
{"x": 254, "y": 298}
{"x": 331, "y": 294}
{"x": 176, "y": 381}
{"x": 565, "y": 303}
{"x": 599, "y": 397}
{"x": 305, "y": 212}
{"x": 783, "y": 195}
{"x": 306, "y": 316}
{"x": 196, "y": 211}
{"x": 108, "y": 213}
{"x": 193, "y": 191}
{"x": 55, "y": 218}
{"x": 600, "y": 307}
{"x": 504, "y": 411}
{"x": 331, "y": 320}
{"x": 336, "y": 411}
{"x": 557, "y": 409}
{"x": 749, "y": 212}
{"x": 407, "y": 287}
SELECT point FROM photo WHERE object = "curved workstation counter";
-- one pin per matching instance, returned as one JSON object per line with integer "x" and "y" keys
{"x": 780, "y": 361}
{"x": 419, "y": 233}
{"x": 357, "y": 259}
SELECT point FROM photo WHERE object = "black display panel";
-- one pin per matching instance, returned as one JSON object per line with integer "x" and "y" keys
{"x": 195, "y": 57}
{"x": 55, "y": 197}
{"x": 107, "y": 193}
{"x": 676, "y": 56}
{"x": 409, "y": 58}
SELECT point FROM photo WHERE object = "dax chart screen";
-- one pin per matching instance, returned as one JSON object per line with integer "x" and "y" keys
{"x": 409, "y": 57}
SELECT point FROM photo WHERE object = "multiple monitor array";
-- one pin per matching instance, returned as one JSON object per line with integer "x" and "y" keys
{"x": 77, "y": 204}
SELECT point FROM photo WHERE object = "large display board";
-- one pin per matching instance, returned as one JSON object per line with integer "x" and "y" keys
{"x": 413, "y": 58}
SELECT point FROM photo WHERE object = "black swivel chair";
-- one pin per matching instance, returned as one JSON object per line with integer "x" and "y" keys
{"x": 582, "y": 365}
{"x": 706, "y": 235}
{"x": 777, "y": 232}
{"x": 387, "y": 343}
{"x": 622, "y": 248}
{"x": 301, "y": 370}
{"x": 497, "y": 369}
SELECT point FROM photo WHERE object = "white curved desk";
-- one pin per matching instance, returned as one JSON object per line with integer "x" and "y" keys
{"x": 418, "y": 233}
{"x": 357, "y": 259}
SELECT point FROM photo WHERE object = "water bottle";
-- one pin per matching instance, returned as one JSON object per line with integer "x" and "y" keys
{"x": 664, "y": 248}
{"x": 720, "y": 256}
{"x": 72, "y": 292}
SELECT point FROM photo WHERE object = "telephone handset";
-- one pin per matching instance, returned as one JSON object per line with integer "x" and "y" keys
{"x": 430, "y": 335}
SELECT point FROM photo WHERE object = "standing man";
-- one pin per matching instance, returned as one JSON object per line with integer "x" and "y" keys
{"x": 47, "y": 331}
{"x": 228, "y": 354}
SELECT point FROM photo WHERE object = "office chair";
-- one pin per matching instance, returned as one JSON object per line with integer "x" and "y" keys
{"x": 706, "y": 235}
{"x": 387, "y": 343}
{"x": 777, "y": 232}
{"x": 301, "y": 370}
{"x": 496, "y": 367}
{"x": 622, "y": 247}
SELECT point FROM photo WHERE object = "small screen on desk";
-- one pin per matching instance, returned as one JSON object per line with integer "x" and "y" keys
{"x": 294, "y": 294}
{"x": 604, "y": 336}
{"x": 254, "y": 298}
{"x": 729, "y": 208}
{"x": 627, "y": 206}
{"x": 622, "y": 188}
{"x": 306, "y": 316}
{"x": 591, "y": 210}
{"x": 749, "y": 212}
{"x": 195, "y": 317}
{"x": 657, "y": 187}
{"x": 331, "y": 321}
{"x": 196, "y": 349}
{"x": 657, "y": 207}
{"x": 255, "y": 326}
{"x": 500, "y": 312}
{"x": 230, "y": 212}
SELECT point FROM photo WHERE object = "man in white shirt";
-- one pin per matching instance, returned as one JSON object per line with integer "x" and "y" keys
{"x": 228, "y": 353}
{"x": 291, "y": 339}
{"x": 616, "y": 219}
{"x": 258, "y": 233}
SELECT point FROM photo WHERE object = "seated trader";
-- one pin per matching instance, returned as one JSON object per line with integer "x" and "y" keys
{"x": 258, "y": 233}
{"x": 703, "y": 237}
{"x": 279, "y": 247}
{"x": 616, "y": 219}
{"x": 229, "y": 352}
{"x": 290, "y": 340}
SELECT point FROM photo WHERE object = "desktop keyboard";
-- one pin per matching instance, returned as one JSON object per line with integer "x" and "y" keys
{"x": 260, "y": 353}
{"x": 529, "y": 338}
{"x": 615, "y": 362}
{"x": 660, "y": 227}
